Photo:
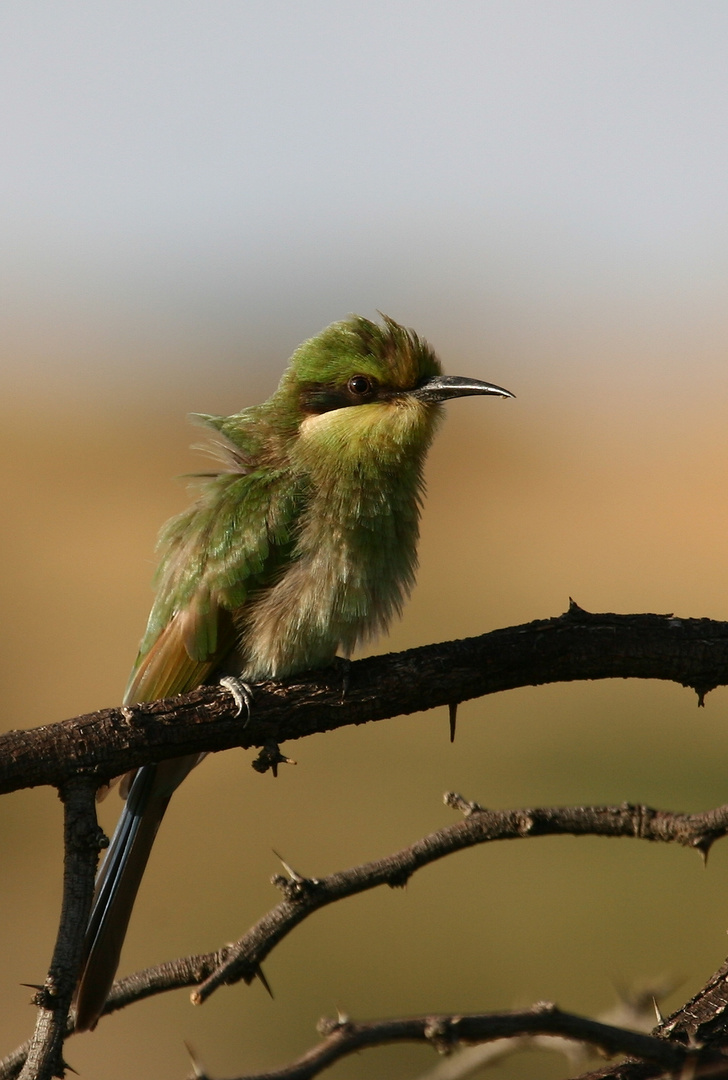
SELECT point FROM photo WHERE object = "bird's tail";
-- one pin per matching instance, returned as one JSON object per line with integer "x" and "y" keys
{"x": 118, "y": 882}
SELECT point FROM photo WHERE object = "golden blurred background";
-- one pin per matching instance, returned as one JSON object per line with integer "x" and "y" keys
{"x": 539, "y": 189}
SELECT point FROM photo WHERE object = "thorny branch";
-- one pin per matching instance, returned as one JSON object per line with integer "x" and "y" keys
{"x": 306, "y": 895}
{"x": 79, "y": 754}
{"x": 302, "y": 896}
{"x": 343, "y": 1037}
{"x": 81, "y": 848}
{"x": 576, "y": 645}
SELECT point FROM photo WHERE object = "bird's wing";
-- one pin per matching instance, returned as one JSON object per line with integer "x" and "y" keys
{"x": 169, "y": 667}
{"x": 231, "y": 543}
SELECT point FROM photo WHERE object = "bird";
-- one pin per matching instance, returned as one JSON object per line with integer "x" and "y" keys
{"x": 301, "y": 545}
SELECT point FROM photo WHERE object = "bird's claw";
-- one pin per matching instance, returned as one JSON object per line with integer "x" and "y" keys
{"x": 241, "y": 692}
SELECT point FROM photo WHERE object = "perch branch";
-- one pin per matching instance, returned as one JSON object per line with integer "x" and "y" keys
{"x": 576, "y": 645}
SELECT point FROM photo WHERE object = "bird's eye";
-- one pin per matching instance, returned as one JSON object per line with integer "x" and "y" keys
{"x": 360, "y": 386}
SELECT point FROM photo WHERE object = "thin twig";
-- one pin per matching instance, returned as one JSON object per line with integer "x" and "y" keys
{"x": 303, "y": 896}
{"x": 445, "y": 1032}
{"x": 634, "y": 1010}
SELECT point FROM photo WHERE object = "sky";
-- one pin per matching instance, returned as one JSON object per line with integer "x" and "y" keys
{"x": 222, "y": 180}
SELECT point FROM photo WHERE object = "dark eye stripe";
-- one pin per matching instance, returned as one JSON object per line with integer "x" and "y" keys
{"x": 323, "y": 397}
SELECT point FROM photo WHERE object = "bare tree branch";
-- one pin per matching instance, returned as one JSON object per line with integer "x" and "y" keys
{"x": 577, "y": 645}
{"x": 82, "y": 840}
{"x": 77, "y": 755}
{"x": 635, "y": 1010}
{"x": 303, "y": 896}
{"x": 445, "y": 1032}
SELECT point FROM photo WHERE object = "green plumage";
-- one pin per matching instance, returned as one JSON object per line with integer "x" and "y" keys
{"x": 303, "y": 544}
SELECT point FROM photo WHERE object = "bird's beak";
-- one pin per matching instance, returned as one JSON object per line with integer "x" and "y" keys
{"x": 443, "y": 387}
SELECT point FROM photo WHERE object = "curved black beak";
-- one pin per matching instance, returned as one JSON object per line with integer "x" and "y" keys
{"x": 443, "y": 387}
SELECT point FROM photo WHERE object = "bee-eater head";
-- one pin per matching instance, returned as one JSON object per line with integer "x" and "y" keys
{"x": 371, "y": 375}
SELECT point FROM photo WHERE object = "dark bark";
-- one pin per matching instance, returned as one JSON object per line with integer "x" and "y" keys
{"x": 577, "y": 645}
{"x": 77, "y": 755}
{"x": 82, "y": 842}
{"x": 445, "y": 1032}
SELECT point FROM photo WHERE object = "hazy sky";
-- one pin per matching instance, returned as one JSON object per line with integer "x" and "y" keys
{"x": 226, "y": 178}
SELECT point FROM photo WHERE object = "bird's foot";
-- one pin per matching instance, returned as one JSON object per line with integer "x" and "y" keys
{"x": 241, "y": 693}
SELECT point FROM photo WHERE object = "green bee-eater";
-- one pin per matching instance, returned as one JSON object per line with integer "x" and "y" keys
{"x": 303, "y": 544}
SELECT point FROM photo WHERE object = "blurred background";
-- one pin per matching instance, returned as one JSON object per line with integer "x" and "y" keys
{"x": 189, "y": 191}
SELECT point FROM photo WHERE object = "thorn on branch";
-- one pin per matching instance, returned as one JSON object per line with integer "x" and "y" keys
{"x": 703, "y": 846}
{"x": 260, "y": 976}
{"x": 453, "y": 714}
{"x": 295, "y": 889}
{"x": 293, "y": 874}
{"x": 702, "y": 692}
{"x": 327, "y": 1025}
{"x": 198, "y": 1073}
